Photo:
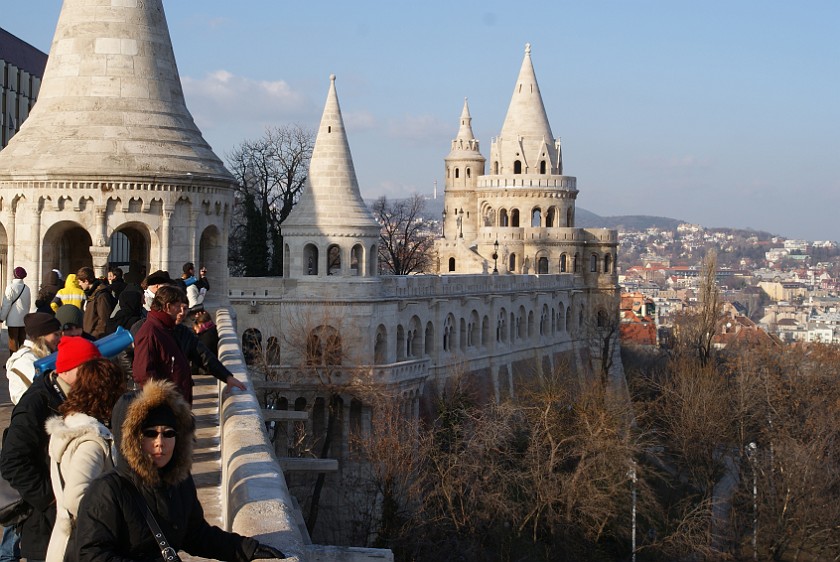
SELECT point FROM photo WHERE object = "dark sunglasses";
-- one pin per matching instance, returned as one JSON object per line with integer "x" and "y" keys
{"x": 153, "y": 433}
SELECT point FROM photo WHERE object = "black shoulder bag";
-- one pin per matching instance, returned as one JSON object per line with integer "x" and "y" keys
{"x": 13, "y": 509}
{"x": 169, "y": 554}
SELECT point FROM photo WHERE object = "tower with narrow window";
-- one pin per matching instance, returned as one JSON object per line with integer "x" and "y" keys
{"x": 519, "y": 217}
{"x": 330, "y": 232}
{"x": 464, "y": 165}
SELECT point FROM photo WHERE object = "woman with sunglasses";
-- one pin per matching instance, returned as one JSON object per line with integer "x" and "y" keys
{"x": 80, "y": 443}
{"x": 152, "y": 478}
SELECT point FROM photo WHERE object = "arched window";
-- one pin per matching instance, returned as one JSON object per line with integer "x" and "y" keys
{"x": 457, "y": 173}
{"x": 334, "y": 260}
{"x": 602, "y": 318}
{"x": 469, "y": 174}
{"x": 550, "y": 216}
{"x": 448, "y": 172}
{"x": 323, "y": 347}
{"x": 536, "y": 217}
{"x": 512, "y": 263}
{"x": 356, "y": 258}
{"x": 607, "y": 263}
{"x": 563, "y": 263}
{"x": 451, "y": 264}
{"x": 568, "y": 322}
{"x": 517, "y": 167}
{"x": 576, "y": 262}
{"x": 593, "y": 263}
{"x": 514, "y": 218}
{"x": 569, "y": 218}
{"x": 380, "y": 346}
{"x": 485, "y": 330}
{"x": 429, "y": 342}
{"x": 542, "y": 265}
{"x": 400, "y": 343}
{"x": 503, "y": 218}
{"x": 496, "y": 167}
{"x": 542, "y": 166}
{"x": 310, "y": 259}
{"x": 252, "y": 346}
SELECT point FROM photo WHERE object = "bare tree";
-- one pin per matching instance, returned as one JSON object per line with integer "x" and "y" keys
{"x": 405, "y": 244}
{"x": 270, "y": 173}
{"x": 695, "y": 329}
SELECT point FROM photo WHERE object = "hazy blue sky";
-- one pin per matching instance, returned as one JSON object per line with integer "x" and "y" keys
{"x": 724, "y": 113}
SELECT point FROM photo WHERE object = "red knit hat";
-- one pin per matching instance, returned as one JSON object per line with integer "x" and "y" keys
{"x": 73, "y": 351}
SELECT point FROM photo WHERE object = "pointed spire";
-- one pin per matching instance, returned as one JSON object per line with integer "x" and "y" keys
{"x": 111, "y": 103}
{"x": 466, "y": 132}
{"x": 331, "y": 199}
{"x": 526, "y": 113}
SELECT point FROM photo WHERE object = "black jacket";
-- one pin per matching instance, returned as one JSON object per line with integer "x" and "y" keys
{"x": 25, "y": 463}
{"x": 111, "y": 526}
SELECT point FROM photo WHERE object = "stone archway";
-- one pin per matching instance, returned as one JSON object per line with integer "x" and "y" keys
{"x": 130, "y": 245}
{"x": 66, "y": 247}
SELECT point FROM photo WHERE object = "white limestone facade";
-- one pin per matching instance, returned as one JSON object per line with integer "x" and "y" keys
{"x": 110, "y": 156}
{"x": 554, "y": 294}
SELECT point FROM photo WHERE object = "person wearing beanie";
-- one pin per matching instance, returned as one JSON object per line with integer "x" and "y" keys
{"x": 24, "y": 461}
{"x": 99, "y": 302}
{"x": 17, "y": 302}
{"x": 70, "y": 294}
{"x": 43, "y": 332}
{"x": 47, "y": 292}
{"x": 155, "y": 439}
{"x": 71, "y": 320}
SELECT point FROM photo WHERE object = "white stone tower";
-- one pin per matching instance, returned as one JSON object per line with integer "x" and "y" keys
{"x": 464, "y": 165}
{"x": 330, "y": 232}
{"x": 522, "y": 211}
{"x": 110, "y": 162}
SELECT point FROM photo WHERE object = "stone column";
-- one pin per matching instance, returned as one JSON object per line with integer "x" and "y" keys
{"x": 39, "y": 244}
{"x": 101, "y": 249}
{"x": 165, "y": 239}
{"x": 10, "y": 265}
{"x": 194, "y": 240}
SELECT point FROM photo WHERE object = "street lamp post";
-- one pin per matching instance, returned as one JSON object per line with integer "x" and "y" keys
{"x": 751, "y": 450}
{"x": 496, "y": 256}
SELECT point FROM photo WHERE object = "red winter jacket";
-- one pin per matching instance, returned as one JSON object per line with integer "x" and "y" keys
{"x": 157, "y": 355}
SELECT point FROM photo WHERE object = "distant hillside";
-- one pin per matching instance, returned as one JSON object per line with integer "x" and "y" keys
{"x": 636, "y": 223}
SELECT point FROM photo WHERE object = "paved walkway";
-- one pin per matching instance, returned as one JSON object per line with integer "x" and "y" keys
{"x": 206, "y": 462}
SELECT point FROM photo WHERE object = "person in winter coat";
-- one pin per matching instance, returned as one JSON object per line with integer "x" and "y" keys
{"x": 127, "y": 312}
{"x": 80, "y": 444}
{"x": 70, "y": 294}
{"x": 156, "y": 352}
{"x": 43, "y": 333}
{"x": 98, "y": 303}
{"x": 206, "y": 331}
{"x": 47, "y": 292}
{"x": 17, "y": 301}
{"x": 156, "y": 450}
{"x": 24, "y": 461}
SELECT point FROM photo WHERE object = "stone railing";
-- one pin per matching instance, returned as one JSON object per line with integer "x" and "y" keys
{"x": 255, "y": 499}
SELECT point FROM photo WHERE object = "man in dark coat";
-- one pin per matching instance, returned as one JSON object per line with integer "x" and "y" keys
{"x": 99, "y": 303}
{"x": 24, "y": 460}
{"x": 156, "y": 352}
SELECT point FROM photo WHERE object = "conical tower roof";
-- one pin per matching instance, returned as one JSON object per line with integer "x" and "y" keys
{"x": 526, "y": 128}
{"x": 111, "y": 103}
{"x": 331, "y": 199}
{"x": 465, "y": 145}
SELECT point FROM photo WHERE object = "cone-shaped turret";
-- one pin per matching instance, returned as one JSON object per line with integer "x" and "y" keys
{"x": 331, "y": 199}
{"x": 526, "y": 134}
{"x": 466, "y": 132}
{"x": 111, "y": 104}
{"x": 465, "y": 145}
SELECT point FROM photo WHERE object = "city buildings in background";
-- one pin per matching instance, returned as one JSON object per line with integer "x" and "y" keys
{"x": 21, "y": 69}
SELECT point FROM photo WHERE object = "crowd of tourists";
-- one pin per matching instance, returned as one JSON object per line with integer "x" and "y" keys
{"x": 99, "y": 449}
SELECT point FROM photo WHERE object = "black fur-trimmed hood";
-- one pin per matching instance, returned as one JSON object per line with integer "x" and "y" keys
{"x": 130, "y": 440}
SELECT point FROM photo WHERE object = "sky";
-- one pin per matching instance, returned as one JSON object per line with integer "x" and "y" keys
{"x": 721, "y": 113}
